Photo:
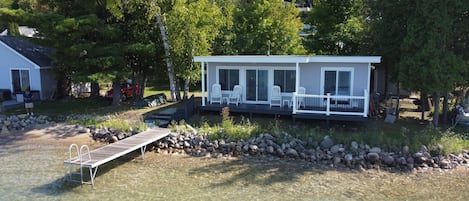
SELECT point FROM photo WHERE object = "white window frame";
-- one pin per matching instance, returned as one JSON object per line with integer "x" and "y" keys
{"x": 337, "y": 69}
{"x": 218, "y": 68}
{"x": 284, "y": 69}
{"x": 21, "y": 81}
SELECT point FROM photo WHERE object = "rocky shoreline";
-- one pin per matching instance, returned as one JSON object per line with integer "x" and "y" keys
{"x": 326, "y": 152}
{"x": 22, "y": 122}
{"x": 357, "y": 156}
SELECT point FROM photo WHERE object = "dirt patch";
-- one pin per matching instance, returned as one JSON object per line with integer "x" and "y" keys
{"x": 59, "y": 134}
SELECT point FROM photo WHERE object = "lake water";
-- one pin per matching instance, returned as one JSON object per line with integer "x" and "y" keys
{"x": 36, "y": 172}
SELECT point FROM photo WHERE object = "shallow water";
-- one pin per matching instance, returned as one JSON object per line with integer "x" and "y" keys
{"x": 36, "y": 172}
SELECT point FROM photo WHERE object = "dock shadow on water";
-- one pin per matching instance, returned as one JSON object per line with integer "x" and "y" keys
{"x": 65, "y": 185}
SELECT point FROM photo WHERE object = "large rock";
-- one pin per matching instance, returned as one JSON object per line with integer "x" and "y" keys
{"x": 292, "y": 152}
{"x": 372, "y": 157}
{"x": 270, "y": 150}
{"x": 354, "y": 145}
{"x": 405, "y": 150}
{"x": 376, "y": 150}
{"x": 445, "y": 164}
{"x": 336, "y": 148}
{"x": 388, "y": 160}
{"x": 326, "y": 143}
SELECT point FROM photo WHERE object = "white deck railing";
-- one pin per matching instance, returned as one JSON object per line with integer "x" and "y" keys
{"x": 329, "y": 104}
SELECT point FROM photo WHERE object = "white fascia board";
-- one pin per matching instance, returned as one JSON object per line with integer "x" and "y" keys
{"x": 288, "y": 59}
{"x": 253, "y": 59}
{"x": 20, "y": 55}
{"x": 345, "y": 59}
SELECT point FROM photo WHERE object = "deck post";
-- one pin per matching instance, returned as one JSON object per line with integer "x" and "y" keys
{"x": 294, "y": 104}
{"x": 297, "y": 75}
{"x": 203, "y": 82}
{"x": 367, "y": 103}
{"x": 328, "y": 104}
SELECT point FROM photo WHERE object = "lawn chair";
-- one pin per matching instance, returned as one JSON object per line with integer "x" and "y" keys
{"x": 215, "y": 94}
{"x": 301, "y": 99}
{"x": 235, "y": 96}
{"x": 276, "y": 96}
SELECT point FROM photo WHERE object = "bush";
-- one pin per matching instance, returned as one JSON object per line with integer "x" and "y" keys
{"x": 229, "y": 129}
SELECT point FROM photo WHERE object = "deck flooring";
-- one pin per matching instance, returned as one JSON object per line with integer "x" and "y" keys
{"x": 285, "y": 110}
{"x": 112, "y": 151}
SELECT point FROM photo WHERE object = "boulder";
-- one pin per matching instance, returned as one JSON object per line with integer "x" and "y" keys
{"x": 292, "y": 152}
{"x": 445, "y": 164}
{"x": 335, "y": 149}
{"x": 376, "y": 150}
{"x": 326, "y": 143}
{"x": 270, "y": 150}
{"x": 388, "y": 160}
{"x": 405, "y": 150}
{"x": 372, "y": 157}
{"x": 354, "y": 145}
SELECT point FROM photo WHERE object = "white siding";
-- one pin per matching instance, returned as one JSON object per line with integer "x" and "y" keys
{"x": 11, "y": 60}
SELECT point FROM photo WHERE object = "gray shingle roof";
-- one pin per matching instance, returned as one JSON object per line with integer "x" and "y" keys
{"x": 37, "y": 54}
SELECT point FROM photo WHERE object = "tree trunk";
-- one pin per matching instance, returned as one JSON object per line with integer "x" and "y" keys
{"x": 436, "y": 109}
{"x": 386, "y": 81}
{"x": 141, "y": 88}
{"x": 116, "y": 92}
{"x": 445, "y": 109}
{"x": 186, "y": 88}
{"x": 423, "y": 105}
{"x": 94, "y": 90}
{"x": 137, "y": 88}
{"x": 178, "y": 89}
{"x": 164, "y": 37}
{"x": 398, "y": 97}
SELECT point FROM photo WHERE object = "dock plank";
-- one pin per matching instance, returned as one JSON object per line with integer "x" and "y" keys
{"x": 112, "y": 151}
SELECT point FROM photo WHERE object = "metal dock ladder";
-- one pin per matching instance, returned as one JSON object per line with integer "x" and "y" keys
{"x": 77, "y": 161}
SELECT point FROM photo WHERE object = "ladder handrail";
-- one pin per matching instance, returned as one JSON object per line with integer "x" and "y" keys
{"x": 70, "y": 151}
{"x": 79, "y": 158}
{"x": 87, "y": 152}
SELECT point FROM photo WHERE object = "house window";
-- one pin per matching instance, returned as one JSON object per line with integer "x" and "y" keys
{"x": 228, "y": 78}
{"x": 20, "y": 80}
{"x": 286, "y": 79}
{"x": 338, "y": 82}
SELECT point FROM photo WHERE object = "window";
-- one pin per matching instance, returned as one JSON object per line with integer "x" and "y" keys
{"x": 20, "y": 79}
{"x": 286, "y": 79}
{"x": 337, "y": 82}
{"x": 228, "y": 78}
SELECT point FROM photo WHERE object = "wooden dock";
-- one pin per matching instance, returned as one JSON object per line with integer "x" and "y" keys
{"x": 93, "y": 159}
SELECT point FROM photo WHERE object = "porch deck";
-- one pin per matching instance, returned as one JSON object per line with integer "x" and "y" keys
{"x": 287, "y": 111}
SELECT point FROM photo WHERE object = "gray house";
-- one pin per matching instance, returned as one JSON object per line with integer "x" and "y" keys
{"x": 323, "y": 87}
{"x": 25, "y": 65}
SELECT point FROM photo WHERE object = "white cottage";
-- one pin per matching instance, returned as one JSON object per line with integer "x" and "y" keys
{"x": 25, "y": 65}
{"x": 323, "y": 87}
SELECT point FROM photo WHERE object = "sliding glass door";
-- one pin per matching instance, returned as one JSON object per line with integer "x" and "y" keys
{"x": 256, "y": 85}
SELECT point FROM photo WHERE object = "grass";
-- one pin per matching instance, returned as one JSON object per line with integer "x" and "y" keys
{"x": 391, "y": 137}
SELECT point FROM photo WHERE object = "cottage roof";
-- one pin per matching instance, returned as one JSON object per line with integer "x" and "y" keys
{"x": 35, "y": 53}
{"x": 288, "y": 59}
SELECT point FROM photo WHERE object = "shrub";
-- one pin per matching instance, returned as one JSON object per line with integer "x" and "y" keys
{"x": 229, "y": 129}
{"x": 450, "y": 142}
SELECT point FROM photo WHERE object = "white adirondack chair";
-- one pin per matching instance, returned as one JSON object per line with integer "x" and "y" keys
{"x": 276, "y": 96}
{"x": 235, "y": 96}
{"x": 215, "y": 94}
{"x": 301, "y": 100}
